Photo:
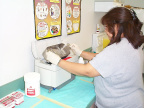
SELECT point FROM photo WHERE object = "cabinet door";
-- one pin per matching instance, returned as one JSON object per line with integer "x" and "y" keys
{"x": 105, "y": 6}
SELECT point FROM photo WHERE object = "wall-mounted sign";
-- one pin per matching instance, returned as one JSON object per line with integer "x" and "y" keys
{"x": 73, "y": 16}
{"x": 48, "y": 19}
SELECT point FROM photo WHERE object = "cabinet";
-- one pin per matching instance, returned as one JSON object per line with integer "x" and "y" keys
{"x": 105, "y": 6}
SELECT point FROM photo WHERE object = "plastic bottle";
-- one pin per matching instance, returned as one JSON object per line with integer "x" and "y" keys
{"x": 97, "y": 28}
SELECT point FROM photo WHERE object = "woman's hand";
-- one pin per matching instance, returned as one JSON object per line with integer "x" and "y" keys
{"x": 52, "y": 57}
{"x": 76, "y": 49}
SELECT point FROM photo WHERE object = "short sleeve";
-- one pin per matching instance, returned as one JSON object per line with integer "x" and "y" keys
{"x": 105, "y": 61}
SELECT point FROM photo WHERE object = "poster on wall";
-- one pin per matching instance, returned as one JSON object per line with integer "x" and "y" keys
{"x": 48, "y": 19}
{"x": 73, "y": 16}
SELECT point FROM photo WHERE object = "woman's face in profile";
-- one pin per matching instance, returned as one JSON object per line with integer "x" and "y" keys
{"x": 107, "y": 32}
{"x": 110, "y": 34}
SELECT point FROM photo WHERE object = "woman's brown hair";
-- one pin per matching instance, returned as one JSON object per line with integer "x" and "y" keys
{"x": 128, "y": 24}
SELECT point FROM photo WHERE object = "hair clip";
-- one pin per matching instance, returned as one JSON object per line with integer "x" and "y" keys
{"x": 133, "y": 14}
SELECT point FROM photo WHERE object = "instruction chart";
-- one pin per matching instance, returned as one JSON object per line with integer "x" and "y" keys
{"x": 47, "y": 18}
{"x": 73, "y": 16}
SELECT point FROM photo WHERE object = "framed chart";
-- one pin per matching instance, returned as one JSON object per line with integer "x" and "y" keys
{"x": 73, "y": 16}
{"x": 48, "y": 18}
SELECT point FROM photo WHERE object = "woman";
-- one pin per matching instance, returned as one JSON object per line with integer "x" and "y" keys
{"x": 117, "y": 70}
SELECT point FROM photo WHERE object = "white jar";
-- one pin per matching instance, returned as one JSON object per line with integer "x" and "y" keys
{"x": 32, "y": 84}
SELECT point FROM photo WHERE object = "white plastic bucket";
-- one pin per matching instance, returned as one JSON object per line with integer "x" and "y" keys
{"x": 32, "y": 84}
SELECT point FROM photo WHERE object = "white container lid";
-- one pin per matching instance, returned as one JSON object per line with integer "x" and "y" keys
{"x": 31, "y": 77}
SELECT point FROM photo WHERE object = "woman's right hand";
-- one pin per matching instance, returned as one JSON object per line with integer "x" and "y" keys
{"x": 76, "y": 49}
